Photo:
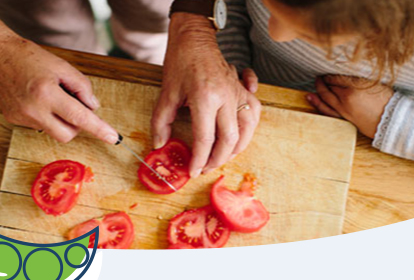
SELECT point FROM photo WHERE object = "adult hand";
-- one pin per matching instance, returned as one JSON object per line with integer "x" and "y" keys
{"x": 32, "y": 92}
{"x": 352, "y": 98}
{"x": 196, "y": 75}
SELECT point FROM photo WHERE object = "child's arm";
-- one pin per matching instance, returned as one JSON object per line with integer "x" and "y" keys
{"x": 234, "y": 41}
{"x": 378, "y": 111}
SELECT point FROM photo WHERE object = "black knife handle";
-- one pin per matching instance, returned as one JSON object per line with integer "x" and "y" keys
{"x": 120, "y": 138}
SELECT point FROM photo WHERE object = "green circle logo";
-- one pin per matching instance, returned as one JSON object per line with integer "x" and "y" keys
{"x": 30, "y": 261}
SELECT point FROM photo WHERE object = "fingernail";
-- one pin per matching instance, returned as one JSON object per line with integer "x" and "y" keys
{"x": 158, "y": 143}
{"x": 111, "y": 138}
{"x": 232, "y": 157}
{"x": 195, "y": 173}
{"x": 95, "y": 102}
{"x": 309, "y": 98}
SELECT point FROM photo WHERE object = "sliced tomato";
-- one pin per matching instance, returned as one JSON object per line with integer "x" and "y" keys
{"x": 58, "y": 184}
{"x": 116, "y": 231}
{"x": 239, "y": 209}
{"x": 198, "y": 228}
{"x": 180, "y": 246}
{"x": 171, "y": 162}
{"x": 88, "y": 175}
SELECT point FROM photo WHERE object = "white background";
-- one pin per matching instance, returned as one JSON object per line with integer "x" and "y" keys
{"x": 381, "y": 253}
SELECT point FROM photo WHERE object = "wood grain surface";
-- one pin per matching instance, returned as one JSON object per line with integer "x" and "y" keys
{"x": 302, "y": 162}
{"x": 381, "y": 190}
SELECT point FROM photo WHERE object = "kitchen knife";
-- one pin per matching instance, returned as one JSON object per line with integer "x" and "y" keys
{"x": 120, "y": 142}
{"x": 120, "y": 139}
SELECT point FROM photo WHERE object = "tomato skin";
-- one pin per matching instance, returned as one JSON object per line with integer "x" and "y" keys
{"x": 116, "y": 231}
{"x": 198, "y": 228}
{"x": 180, "y": 246}
{"x": 239, "y": 209}
{"x": 172, "y": 161}
{"x": 58, "y": 184}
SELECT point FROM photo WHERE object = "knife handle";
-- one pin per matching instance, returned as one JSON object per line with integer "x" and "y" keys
{"x": 120, "y": 138}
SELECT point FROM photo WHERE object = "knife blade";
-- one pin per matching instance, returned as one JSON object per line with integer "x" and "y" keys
{"x": 120, "y": 142}
{"x": 120, "y": 139}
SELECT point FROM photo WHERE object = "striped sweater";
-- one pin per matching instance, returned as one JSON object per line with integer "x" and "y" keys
{"x": 245, "y": 42}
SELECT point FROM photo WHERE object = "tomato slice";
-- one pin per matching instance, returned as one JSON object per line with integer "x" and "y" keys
{"x": 239, "y": 209}
{"x": 116, "y": 231}
{"x": 171, "y": 162}
{"x": 198, "y": 228}
{"x": 180, "y": 246}
{"x": 58, "y": 184}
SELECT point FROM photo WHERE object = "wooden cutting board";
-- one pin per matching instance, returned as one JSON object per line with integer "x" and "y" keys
{"x": 302, "y": 162}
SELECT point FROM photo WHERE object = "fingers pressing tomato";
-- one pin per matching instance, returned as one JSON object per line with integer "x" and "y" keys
{"x": 171, "y": 162}
{"x": 58, "y": 184}
{"x": 116, "y": 231}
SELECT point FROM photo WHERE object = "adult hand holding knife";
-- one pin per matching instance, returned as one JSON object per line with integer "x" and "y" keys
{"x": 109, "y": 138}
{"x": 34, "y": 92}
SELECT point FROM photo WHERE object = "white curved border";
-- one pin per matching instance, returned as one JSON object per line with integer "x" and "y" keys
{"x": 381, "y": 253}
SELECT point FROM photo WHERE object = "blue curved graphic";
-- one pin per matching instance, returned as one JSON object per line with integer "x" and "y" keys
{"x": 86, "y": 257}
{"x": 46, "y": 247}
{"x": 47, "y": 250}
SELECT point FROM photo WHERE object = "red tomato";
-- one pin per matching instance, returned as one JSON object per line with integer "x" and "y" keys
{"x": 116, "y": 231}
{"x": 198, "y": 228}
{"x": 171, "y": 162}
{"x": 239, "y": 209}
{"x": 58, "y": 184}
{"x": 180, "y": 246}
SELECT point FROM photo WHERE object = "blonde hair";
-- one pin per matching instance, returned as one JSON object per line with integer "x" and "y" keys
{"x": 385, "y": 28}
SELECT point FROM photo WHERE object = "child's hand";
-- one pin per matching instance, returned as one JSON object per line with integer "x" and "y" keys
{"x": 351, "y": 98}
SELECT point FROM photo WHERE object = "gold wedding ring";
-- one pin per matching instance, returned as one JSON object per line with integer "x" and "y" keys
{"x": 243, "y": 106}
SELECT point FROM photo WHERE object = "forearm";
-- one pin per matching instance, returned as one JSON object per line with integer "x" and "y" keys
{"x": 10, "y": 43}
{"x": 4, "y": 31}
{"x": 194, "y": 32}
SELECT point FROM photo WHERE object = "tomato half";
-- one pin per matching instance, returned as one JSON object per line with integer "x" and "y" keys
{"x": 198, "y": 228}
{"x": 116, "y": 231}
{"x": 180, "y": 246}
{"x": 239, "y": 209}
{"x": 171, "y": 162}
{"x": 58, "y": 184}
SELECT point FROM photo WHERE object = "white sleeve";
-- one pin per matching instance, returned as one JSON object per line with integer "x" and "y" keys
{"x": 395, "y": 132}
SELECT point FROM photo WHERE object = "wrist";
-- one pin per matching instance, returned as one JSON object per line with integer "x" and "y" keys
{"x": 192, "y": 38}
{"x": 6, "y": 33}
{"x": 192, "y": 26}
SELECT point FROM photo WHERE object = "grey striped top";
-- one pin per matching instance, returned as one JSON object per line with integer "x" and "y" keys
{"x": 246, "y": 43}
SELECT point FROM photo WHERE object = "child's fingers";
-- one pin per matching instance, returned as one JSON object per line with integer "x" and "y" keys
{"x": 344, "y": 83}
{"x": 338, "y": 80}
{"x": 327, "y": 95}
{"x": 323, "y": 108}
